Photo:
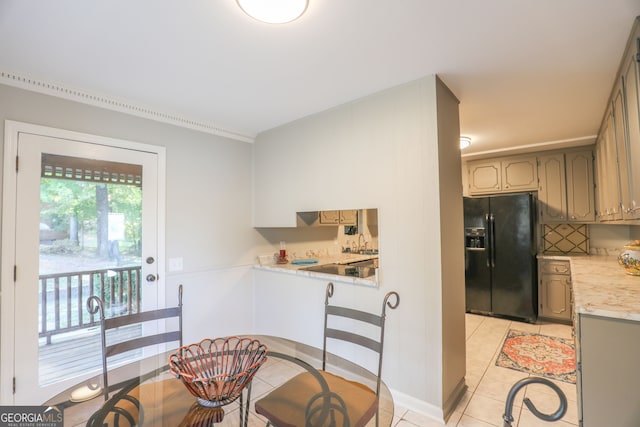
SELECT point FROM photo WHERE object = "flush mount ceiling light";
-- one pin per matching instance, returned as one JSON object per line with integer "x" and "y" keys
{"x": 465, "y": 141}
{"x": 274, "y": 11}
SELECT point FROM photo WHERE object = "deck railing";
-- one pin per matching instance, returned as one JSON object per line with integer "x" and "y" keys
{"x": 62, "y": 297}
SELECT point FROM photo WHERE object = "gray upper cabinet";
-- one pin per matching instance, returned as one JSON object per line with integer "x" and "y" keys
{"x": 552, "y": 190}
{"x": 620, "y": 135}
{"x": 519, "y": 173}
{"x": 580, "y": 186}
{"x": 349, "y": 217}
{"x": 329, "y": 217}
{"x": 618, "y": 145}
{"x": 564, "y": 181}
{"x": 504, "y": 175}
{"x": 608, "y": 200}
{"x": 485, "y": 177}
{"x": 566, "y": 188}
{"x": 631, "y": 91}
{"x": 346, "y": 217}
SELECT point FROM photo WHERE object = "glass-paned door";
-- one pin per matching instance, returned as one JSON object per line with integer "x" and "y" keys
{"x": 86, "y": 216}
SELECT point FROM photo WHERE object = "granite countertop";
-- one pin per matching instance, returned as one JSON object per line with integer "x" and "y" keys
{"x": 337, "y": 259}
{"x": 602, "y": 288}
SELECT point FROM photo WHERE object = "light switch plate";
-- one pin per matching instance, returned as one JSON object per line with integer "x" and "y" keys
{"x": 175, "y": 264}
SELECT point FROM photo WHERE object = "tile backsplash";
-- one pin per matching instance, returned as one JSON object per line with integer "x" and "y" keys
{"x": 565, "y": 239}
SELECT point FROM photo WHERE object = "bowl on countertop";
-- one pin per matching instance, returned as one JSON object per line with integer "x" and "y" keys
{"x": 629, "y": 258}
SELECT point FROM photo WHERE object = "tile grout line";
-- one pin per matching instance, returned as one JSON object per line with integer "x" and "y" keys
{"x": 491, "y": 360}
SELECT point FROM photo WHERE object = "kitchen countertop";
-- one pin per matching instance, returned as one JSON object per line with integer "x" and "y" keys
{"x": 337, "y": 259}
{"x": 602, "y": 288}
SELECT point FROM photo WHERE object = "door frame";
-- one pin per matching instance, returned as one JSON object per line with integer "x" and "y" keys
{"x": 12, "y": 129}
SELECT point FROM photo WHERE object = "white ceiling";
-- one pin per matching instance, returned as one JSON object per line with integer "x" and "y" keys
{"x": 526, "y": 71}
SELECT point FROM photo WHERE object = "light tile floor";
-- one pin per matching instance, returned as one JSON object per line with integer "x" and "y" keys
{"x": 481, "y": 406}
{"x": 488, "y": 385}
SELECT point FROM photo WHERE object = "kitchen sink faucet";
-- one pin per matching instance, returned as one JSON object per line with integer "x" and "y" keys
{"x": 360, "y": 248}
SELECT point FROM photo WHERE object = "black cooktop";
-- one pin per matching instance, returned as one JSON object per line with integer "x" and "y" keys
{"x": 343, "y": 270}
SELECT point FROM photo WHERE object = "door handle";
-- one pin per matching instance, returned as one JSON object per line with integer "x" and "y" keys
{"x": 152, "y": 277}
{"x": 488, "y": 239}
{"x": 492, "y": 219}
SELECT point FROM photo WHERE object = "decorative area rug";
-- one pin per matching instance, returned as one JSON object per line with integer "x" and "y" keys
{"x": 542, "y": 355}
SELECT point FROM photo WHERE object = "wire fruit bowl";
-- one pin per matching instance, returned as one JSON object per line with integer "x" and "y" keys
{"x": 216, "y": 371}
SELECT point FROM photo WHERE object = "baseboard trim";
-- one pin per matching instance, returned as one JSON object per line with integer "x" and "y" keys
{"x": 454, "y": 398}
{"x": 416, "y": 405}
{"x": 428, "y": 410}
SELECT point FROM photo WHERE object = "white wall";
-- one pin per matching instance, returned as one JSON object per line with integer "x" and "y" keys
{"x": 307, "y": 165}
{"x": 208, "y": 205}
{"x": 381, "y": 152}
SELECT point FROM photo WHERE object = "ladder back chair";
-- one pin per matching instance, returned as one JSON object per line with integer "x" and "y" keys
{"x": 301, "y": 401}
{"x": 95, "y": 305}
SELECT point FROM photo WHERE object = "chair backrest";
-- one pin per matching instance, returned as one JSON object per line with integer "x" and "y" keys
{"x": 354, "y": 337}
{"x": 95, "y": 305}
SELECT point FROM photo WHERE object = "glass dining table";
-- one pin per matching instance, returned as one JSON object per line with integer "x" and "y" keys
{"x": 164, "y": 401}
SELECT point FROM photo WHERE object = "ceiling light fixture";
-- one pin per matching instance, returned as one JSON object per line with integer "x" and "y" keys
{"x": 465, "y": 141}
{"x": 274, "y": 11}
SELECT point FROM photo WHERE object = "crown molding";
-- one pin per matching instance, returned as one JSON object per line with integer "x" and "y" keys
{"x": 60, "y": 91}
{"x": 531, "y": 148}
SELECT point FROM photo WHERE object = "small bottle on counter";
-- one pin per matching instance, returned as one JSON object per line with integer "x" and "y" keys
{"x": 282, "y": 255}
{"x": 283, "y": 249}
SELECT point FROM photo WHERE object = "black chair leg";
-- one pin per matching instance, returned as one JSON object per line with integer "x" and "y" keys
{"x": 246, "y": 409}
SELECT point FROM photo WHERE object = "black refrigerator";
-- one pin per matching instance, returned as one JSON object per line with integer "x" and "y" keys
{"x": 500, "y": 255}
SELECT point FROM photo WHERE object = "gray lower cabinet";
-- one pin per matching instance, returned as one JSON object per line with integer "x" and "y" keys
{"x": 554, "y": 293}
{"x": 608, "y": 350}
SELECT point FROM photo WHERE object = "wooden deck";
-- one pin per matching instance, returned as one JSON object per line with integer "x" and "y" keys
{"x": 73, "y": 353}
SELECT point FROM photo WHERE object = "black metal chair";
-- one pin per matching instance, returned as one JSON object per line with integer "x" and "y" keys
{"x": 95, "y": 305}
{"x": 305, "y": 401}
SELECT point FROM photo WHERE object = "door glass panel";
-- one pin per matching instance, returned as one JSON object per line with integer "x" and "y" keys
{"x": 90, "y": 244}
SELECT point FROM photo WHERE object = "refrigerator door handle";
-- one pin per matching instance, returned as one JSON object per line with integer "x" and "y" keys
{"x": 492, "y": 239}
{"x": 488, "y": 239}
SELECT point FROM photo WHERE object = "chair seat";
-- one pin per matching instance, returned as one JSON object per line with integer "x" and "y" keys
{"x": 165, "y": 403}
{"x": 285, "y": 406}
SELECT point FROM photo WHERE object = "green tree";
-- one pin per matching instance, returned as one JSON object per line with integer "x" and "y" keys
{"x": 66, "y": 203}
{"x": 62, "y": 199}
